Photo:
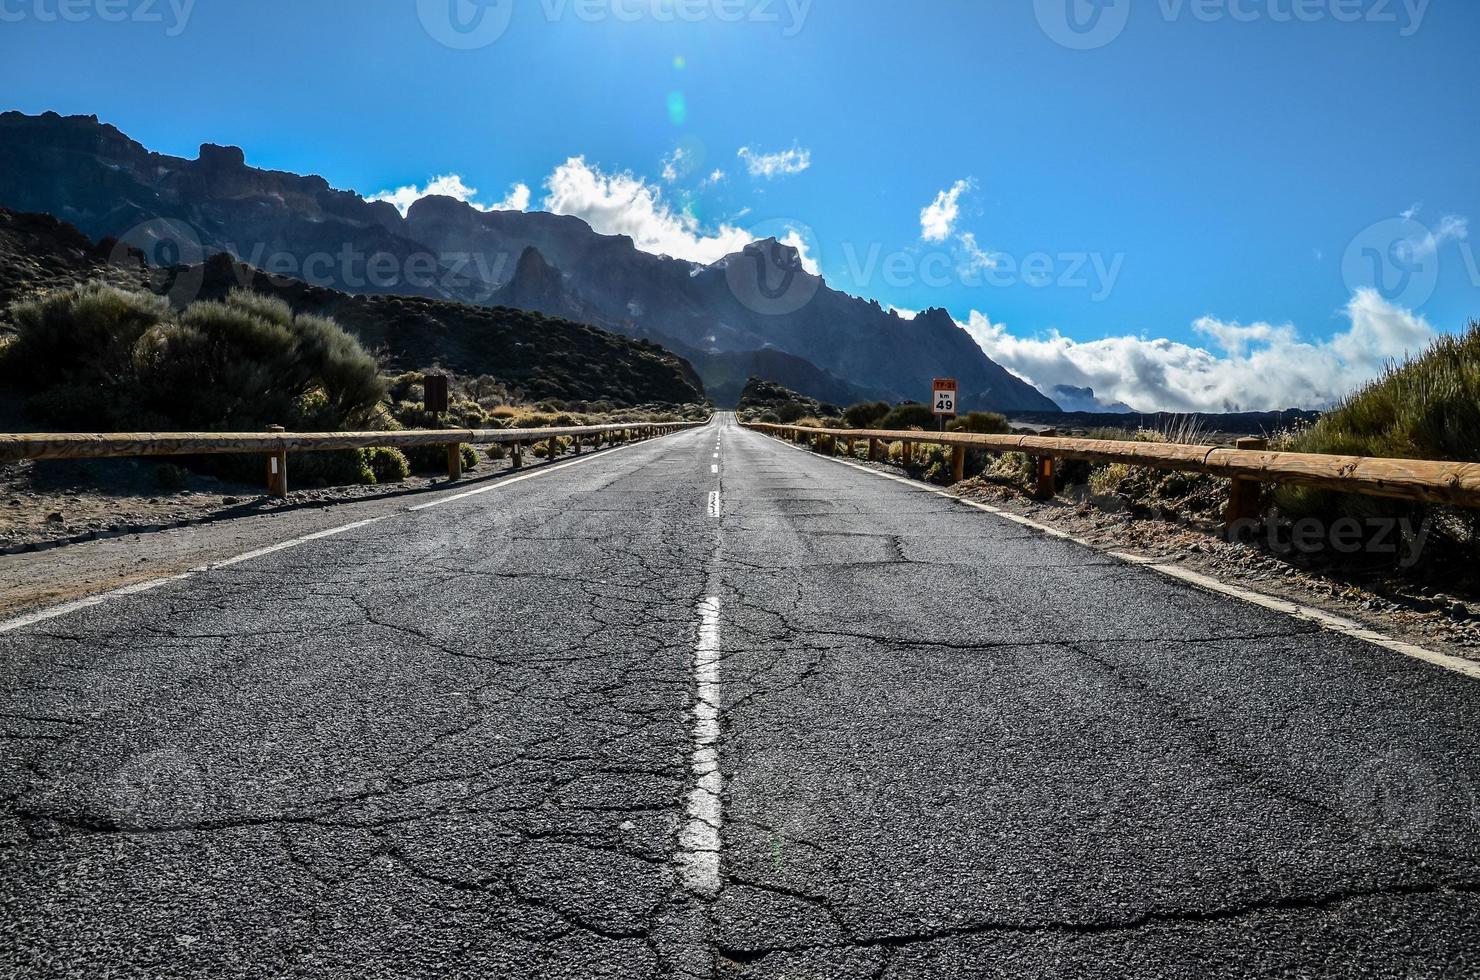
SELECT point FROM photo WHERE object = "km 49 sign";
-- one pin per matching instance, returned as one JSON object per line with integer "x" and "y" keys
{"x": 945, "y": 397}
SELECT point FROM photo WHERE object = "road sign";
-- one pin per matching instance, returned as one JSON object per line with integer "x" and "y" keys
{"x": 944, "y": 398}
{"x": 434, "y": 398}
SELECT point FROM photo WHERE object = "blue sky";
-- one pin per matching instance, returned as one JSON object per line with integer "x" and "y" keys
{"x": 1181, "y": 203}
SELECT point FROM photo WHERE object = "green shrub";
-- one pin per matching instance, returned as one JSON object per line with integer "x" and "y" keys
{"x": 910, "y": 415}
{"x": 433, "y": 459}
{"x": 388, "y": 465}
{"x": 82, "y": 336}
{"x": 115, "y": 360}
{"x": 1425, "y": 408}
{"x": 865, "y": 415}
{"x": 983, "y": 423}
{"x": 789, "y": 412}
{"x": 170, "y": 476}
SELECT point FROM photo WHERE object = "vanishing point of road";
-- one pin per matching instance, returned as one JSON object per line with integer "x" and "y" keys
{"x": 710, "y": 706}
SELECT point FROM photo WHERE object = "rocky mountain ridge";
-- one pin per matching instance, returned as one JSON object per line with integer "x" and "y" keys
{"x": 759, "y": 299}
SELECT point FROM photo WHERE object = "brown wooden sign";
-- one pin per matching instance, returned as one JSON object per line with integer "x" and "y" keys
{"x": 435, "y": 397}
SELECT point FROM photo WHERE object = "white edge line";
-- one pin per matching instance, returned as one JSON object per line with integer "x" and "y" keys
{"x": 1327, "y": 621}
{"x": 53, "y": 612}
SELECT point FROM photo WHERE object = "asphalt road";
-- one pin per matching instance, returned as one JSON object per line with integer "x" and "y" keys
{"x": 599, "y": 723}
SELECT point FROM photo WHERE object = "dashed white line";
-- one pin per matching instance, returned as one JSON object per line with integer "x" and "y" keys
{"x": 699, "y": 841}
{"x": 714, "y": 503}
{"x": 714, "y": 468}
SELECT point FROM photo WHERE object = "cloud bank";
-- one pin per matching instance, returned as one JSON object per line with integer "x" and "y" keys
{"x": 452, "y": 185}
{"x": 624, "y": 204}
{"x": 1254, "y": 367}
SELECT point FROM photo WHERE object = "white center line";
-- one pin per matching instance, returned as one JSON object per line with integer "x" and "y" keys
{"x": 699, "y": 842}
{"x": 714, "y": 503}
{"x": 714, "y": 468}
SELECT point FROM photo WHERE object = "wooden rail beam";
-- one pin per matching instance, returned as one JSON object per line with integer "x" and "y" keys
{"x": 1455, "y": 484}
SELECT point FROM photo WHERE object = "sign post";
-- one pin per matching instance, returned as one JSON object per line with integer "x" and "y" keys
{"x": 943, "y": 399}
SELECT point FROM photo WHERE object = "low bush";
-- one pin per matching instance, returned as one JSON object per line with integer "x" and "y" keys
{"x": 865, "y": 415}
{"x": 387, "y": 465}
{"x": 982, "y": 423}
{"x": 1426, "y": 408}
{"x": 101, "y": 358}
{"x": 910, "y": 415}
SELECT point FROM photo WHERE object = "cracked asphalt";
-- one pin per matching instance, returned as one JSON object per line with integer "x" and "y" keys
{"x": 461, "y": 742}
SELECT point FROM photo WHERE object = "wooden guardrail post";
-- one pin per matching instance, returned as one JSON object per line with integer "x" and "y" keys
{"x": 554, "y": 449}
{"x": 517, "y": 453}
{"x": 277, "y": 469}
{"x": 1043, "y": 470}
{"x": 850, "y": 447}
{"x": 1243, "y": 495}
{"x": 958, "y": 463}
{"x": 873, "y": 449}
{"x": 454, "y": 461}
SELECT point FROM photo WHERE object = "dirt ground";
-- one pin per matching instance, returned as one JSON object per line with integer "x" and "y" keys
{"x": 136, "y": 531}
{"x": 55, "y": 503}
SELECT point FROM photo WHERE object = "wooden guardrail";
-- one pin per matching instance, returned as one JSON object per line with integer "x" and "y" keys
{"x": 277, "y": 443}
{"x": 1249, "y": 465}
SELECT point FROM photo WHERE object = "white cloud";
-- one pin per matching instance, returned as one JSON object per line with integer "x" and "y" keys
{"x": 773, "y": 165}
{"x": 673, "y": 163}
{"x": 1256, "y": 367}
{"x": 975, "y": 259}
{"x": 938, "y": 219}
{"x": 1452, "y": 228}
{"x": 518, "y": 200}
{"x": 624, "y": 204}
{"x": 794, "y": 239}
{"x": 452, "y": 185}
